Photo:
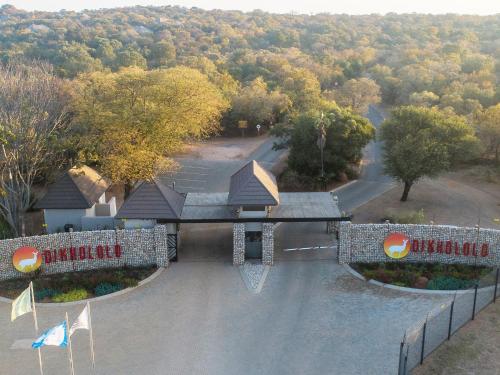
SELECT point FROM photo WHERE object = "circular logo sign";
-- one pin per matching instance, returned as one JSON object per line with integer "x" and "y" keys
{"x": 27, "y": 259}
{"x": 396, "y": 245}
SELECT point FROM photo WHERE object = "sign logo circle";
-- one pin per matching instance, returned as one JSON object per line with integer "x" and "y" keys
{"x": 396, "y": 245}
{"x": 26, "y": 259}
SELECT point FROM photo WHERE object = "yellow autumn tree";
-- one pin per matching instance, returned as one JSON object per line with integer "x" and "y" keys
{"x": 134, "y": 120}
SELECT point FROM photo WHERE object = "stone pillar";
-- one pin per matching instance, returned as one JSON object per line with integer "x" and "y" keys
{"x": 238, "y": 244}
{"x": 267, "y": 243}
{"x": 344, "y": 243}
{"x": 161, "y": 245}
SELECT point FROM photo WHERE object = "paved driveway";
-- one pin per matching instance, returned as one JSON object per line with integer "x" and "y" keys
{"x": 198, "y": 318}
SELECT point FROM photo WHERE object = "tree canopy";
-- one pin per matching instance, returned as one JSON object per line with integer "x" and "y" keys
{"x": 421, "y": 142}
{"x": 34, "y": 127}
{"x": 448, "y": 61}
{"x": 134, "y": 119}
{"x": 346, "y": 134}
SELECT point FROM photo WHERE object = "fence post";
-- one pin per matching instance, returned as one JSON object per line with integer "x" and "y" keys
{"x": 423, "y": 343}
{"x": 400, "y": 356}
{"x": 406, "y": 358}
{"x": 496, "y": 286}
{"x": 474, "y": 305}
{"x": 451, "y": 317}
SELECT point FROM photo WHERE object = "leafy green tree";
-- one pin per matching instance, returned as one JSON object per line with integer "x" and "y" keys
{"x": 424, "y": 99}
{"x": 135, "y": 119}
{"x": 161, "y": 54}
{"x": 358, "y": 94}
{"x": 257, "y": 105}
{"x": 488, "y": 130}
{"x": 74, "y": 58}
{"x": 346, "y": 134}
{"x": 421, "y": 142}
{"x": 130, "y": 57}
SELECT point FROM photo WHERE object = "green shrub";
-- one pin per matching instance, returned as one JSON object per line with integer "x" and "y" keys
{"x": 129, "y": 282}
{"x": 106, "y": 288}
{"x": 449, "y": 283}
{"x": 72, "y": 295}
{"x": 45, "y": 293}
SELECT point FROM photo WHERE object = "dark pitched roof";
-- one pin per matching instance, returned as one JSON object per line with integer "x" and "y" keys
{"x": 152, "y": 200}
{"x": 77, "y": 188}
{"x": 253, "y": 185}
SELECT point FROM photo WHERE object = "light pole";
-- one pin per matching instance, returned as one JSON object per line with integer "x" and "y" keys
{"x": 321, "y": 144}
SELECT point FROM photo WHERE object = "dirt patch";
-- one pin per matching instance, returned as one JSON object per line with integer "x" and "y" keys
{"x": 453, "y": 199}
{"x": 474, "y": 349}
{"x": 223, "y": 148}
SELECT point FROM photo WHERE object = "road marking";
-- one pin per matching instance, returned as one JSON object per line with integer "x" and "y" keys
{"x": 187, "y": 179}
{"x": 311, "y": 248}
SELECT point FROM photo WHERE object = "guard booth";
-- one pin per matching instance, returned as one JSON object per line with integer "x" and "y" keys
{"x": 152, "y": 203}
{"x": 253, "y": 206}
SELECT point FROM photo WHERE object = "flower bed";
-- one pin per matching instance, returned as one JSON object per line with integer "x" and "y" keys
{"x": 75, "y": 286}
{"x": 423, "y": 275}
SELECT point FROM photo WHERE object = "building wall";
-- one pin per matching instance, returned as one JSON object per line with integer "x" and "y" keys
{"x": 98, "y": 222}
{"x": 365, "y": 243}
{"x": 56, "y": 219}
{"x": 80, "y": 251}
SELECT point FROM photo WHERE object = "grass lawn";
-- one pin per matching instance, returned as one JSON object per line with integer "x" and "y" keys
{"x": 74, "y": 286}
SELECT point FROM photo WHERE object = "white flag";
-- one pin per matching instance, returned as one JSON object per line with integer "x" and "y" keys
{"x": 22, "y": 304}
{"x": 57, "y": 336}
{"x": 82, "y": 322}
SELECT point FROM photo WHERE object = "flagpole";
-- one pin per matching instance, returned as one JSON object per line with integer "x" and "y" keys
{"x": 32, "y": 292}
{"x": 91, "y": 338}
{"x": 69, "y": 347}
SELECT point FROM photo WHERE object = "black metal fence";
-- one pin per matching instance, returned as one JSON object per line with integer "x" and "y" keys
{"x": 441, "y": 323}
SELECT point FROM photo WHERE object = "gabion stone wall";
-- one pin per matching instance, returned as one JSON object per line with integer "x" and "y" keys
{"x": 238, "y": 244}
{"x": 267, "y": 243}
{"x": 79, "y": 251}
{"x": 429, "y": 243}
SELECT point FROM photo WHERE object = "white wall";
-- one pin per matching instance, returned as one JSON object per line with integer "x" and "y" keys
{"x": 56, "y": 219}
{"x": 102, "y": 198}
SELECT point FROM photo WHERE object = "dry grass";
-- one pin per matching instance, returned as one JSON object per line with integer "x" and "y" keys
{"x": 474, "y": 349}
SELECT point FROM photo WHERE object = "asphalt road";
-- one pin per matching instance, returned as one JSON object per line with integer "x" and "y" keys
{"x": 311, "y": 318}
{"x": 204, "y": 176}
{"x": 372, "y": 181}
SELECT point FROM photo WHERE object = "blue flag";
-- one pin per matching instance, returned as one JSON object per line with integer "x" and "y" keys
{"x": 57, "y": 336}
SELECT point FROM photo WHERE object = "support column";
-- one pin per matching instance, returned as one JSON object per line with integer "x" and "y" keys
{"x": 238, "y": 244}
{"x": 161, "y": 245}
{"x": 344, "y": 243}
{"x": 268, "y": 243}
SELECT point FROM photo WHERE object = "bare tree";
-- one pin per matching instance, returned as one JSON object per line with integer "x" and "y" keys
{"x": 34, "y": 116}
